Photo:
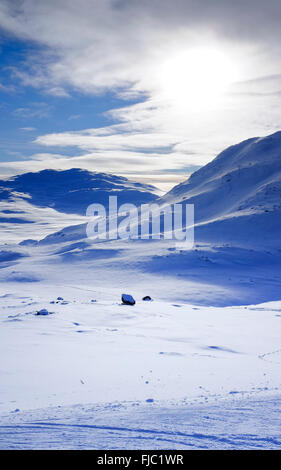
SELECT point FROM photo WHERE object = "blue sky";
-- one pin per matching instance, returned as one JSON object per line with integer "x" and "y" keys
{"x": 148, "y": 89}
{"x": 28, "y": 112}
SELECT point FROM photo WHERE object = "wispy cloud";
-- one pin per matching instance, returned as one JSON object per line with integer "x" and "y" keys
{"x": 28, "y": 129}
{"x": 73, "y": 117}
{"x": 121, "y": 46}
{"x": 7, "y": 88}
{"x": 96, "y": 45}
{"x": 34, "y": 110}
{"x": 92, "y": 139}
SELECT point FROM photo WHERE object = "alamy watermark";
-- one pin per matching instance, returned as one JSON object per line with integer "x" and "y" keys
{"x": 149, "y": 221}
{"x": 146, "y": 222}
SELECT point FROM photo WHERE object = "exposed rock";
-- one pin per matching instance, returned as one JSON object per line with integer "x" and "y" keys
{"x": 147, "y": 298}
{"x": 43, "y": 311}
{"x": 128, "y": 299}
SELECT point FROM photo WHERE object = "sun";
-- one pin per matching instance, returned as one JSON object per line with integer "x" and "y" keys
{"x": 196, "y": 79}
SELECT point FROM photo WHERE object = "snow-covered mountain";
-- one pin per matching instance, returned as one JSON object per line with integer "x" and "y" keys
{"x": 237, "y": 250}
{"x": 237, "y": 196}
{"x": 36, "y": 204}
{"x": 237, "y": 236}
{"x": 71, "y": 191}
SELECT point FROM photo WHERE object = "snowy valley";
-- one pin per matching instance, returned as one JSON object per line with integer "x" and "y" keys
{"x": 196, "y": 367}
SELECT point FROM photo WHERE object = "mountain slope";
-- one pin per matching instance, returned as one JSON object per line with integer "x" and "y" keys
{"x": 237, "y": 197}
{"x": 237, "y": 254}
{"x": 33, "y": 205}
{"x": 72, "y": 191}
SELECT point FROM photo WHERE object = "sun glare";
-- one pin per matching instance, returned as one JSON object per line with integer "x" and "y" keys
{"x": 196, "y": 79}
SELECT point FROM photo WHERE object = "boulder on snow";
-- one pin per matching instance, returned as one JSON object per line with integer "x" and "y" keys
{"x": 128, "y": 299}
{"x": 43, "y": 311}
{"x": 147, "y": 298}
{"x": 59, "y": 298}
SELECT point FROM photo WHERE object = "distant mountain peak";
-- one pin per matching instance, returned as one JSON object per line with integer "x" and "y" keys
{"x": 71, "y": 191}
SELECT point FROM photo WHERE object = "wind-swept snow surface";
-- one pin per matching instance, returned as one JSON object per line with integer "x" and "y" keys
{"x": 159, "y": 374}
{"x": 224, "y": 424}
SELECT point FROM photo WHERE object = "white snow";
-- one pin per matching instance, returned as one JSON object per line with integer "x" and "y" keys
{"x": 103, "y": 353}
{"x": 197, "y": 367}
{"x": 237, "y": 196}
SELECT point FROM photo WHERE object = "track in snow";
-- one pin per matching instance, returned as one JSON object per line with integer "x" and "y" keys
{"x": 228, "y": 424}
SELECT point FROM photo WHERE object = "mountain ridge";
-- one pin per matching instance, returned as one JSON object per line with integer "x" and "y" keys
{"x": 238, "y": 192}
{"x": 35, "y": 204}
{"x": 71, "y": 191}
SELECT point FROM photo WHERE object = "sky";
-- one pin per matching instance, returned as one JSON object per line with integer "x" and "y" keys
{"x": 148, "y": 89}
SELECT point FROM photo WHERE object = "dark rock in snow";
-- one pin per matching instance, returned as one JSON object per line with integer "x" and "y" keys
{"x": 43, "y": 311}
{"x": 128, "y": 299}
{"x": 59, "y": 298}
{"x": 147, "y": 298}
